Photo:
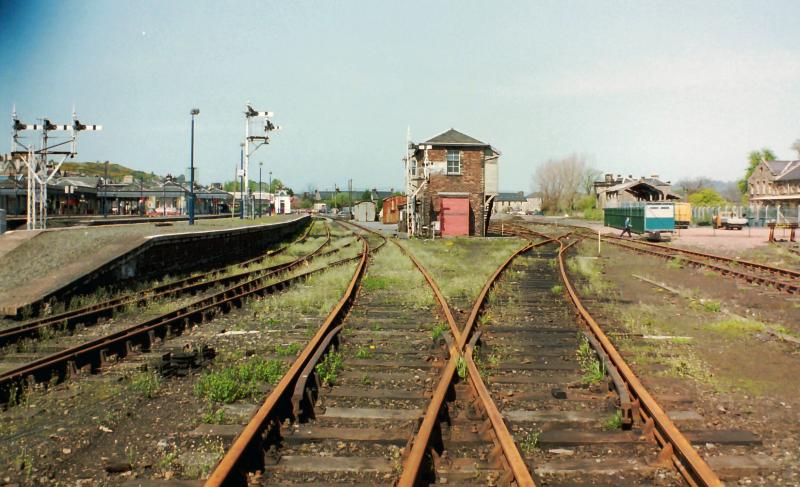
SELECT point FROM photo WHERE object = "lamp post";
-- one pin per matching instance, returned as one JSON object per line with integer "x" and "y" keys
{"x": 260, "y": 190}
{"x": 241, "y": 181}
{"x": 195, "y": 111}
{"x": 272, "y": 200}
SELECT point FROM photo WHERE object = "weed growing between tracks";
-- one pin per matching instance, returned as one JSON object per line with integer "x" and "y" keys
{"x": 391, "y": 270}
{"x": 330, "y": 367}
{"x": 460, "y": 266}
{"x": 240, "y": 381}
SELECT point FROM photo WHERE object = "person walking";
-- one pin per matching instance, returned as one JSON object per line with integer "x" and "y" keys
{"x": 627, "y": 228}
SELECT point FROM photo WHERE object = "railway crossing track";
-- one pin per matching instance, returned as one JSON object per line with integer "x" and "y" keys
{"x": 94, "y": 353}
{"x": 194, "y": 284}
{"x": 784, "y": 280}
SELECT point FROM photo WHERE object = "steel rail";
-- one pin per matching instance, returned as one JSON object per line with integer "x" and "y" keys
{"x": 419, "y": 444}
{"x": 191, "y": 285}
{"x": 65, "y": 362}
{"x": 705, "y": 255}
{"x": 229, "y": 470}
{"x": 789, "y": 287}
{"x": 684, "y": 457}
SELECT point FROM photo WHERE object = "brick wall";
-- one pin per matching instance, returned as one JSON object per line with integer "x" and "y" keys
{"x": 469, "y": 181}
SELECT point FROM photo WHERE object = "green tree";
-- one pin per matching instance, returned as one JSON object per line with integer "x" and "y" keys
{"x": 707, "y": 197}
{"x": 754, "y": 159}
{"x": 366, "y": 195}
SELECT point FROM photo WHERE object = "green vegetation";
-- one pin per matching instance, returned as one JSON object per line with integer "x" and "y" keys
{"x": 438, "y": 331}
{"x": 530, "y": 441}
{"x": 593, "y": 370}
{"x": 363, "y": 353}
{"x": 737, "y": 327}
{"x": 146, "y": 384}
{"x": 676, "y": 263}
{"x": 371, "y": 283}
{"x": 289, "y": 350}
{"x": 707, "y": 197}
{"x": 461, "y": 367}
{"x": 239, "y": 381}
{"x": 614, "y": 422}
{"x": 557, "y": 289}
{"x": 753, "y": 160}
{"x": 115, "y": 171}
{"x": 330, "y": 367}
{"x": 214, "y": 416}
{"x": 706, "y": 305}
{"x": 460, "y": 266}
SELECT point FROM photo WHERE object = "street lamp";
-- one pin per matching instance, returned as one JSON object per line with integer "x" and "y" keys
{"x": 195, "y": 111}
{"x": 241, "y": 181}
{"x": 260, "y": 190}
{"x": 272, "y": 200}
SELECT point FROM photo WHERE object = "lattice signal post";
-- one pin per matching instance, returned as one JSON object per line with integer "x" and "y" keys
{"x": 40, "y": 171}
{"x": 257, "y": 140}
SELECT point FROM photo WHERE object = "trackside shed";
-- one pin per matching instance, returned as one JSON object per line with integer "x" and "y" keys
{"x": 645, "y": 218}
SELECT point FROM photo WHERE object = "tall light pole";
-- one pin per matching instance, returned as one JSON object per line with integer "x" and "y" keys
{"x": 241, "y": 181}
{"x": 260, "y": 190}
{"x": 195, "y": 111}
{"x": 272, "y": 200}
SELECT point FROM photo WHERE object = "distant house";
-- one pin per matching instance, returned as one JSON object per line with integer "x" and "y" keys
{"x": 510, "y": 202}
{"x": 776, "y": 183}
{"x": 617, "y": 191}
{"x": 452, "y": 183}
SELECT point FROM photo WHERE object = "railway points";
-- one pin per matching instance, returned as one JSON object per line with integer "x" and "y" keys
{"x": 418, "y": 364}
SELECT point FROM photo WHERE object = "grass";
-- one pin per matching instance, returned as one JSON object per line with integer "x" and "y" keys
{"x": 438, "y": 331}
{"x": 593, "y": 370}
{"x": 530, "y": 441}
{"x": 461, "y": 266}
{"x": 330, "y": 367}
{"x": 591, "y": 270}
{"x": 363, "y": 353}
{"x": 393, "y": 274}
{"x": 214, "y": 416}
{"x": 461, "y": 367}
{"x": 239, "y": 381}
{"x": 737, "y": 327}
{"x": 676, "y": 263}
{"x": 557, "y": 289}
{"x": 371, "y": 283}
{"x": 614, "y": 422}
{"x": 289, "y": 350}
{"x": 146, "y": 384}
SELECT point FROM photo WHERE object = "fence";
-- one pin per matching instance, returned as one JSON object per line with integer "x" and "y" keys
{"x": 757, "y": 215}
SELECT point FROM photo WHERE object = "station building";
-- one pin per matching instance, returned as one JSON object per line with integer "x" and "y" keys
{"x": 613, "y": 192}
{"x": 776, "y": 184}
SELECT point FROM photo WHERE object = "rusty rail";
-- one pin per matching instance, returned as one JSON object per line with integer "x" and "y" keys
{"x": 674, "y": 444}
{"x": 418, "y": 447}
{"x": 233, "y": 467}
{"x": 675, "y": 448}
{"x": 95, "y": 353}
{"x": 191, "y": 284}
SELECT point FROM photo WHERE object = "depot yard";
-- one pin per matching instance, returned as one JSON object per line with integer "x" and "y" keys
{"x": 358, "y": 314}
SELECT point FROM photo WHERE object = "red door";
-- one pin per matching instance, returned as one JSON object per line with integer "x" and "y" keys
{"x": 454, "y": 216}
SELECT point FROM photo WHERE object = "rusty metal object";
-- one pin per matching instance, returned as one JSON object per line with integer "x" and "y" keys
{"x": 674, "y": 444}
{"x": 233, "y": 466}
{"x": 304, "y": 394}
{"x": 95, "y": 353}
{"x": 513, "y": 458}
{"x": 192, "y": 284}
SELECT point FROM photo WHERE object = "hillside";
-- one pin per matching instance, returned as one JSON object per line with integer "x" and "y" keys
{"x": 115, "y": 171}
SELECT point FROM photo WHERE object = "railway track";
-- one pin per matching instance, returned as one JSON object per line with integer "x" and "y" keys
{"x": 462, "y": 436}
{"x": 784, "y": 280}
{"x": 93, "y": 353}
{"x": 191, "y": 285}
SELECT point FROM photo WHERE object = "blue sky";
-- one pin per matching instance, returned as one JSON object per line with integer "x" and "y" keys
{"x": 680, "y": 89}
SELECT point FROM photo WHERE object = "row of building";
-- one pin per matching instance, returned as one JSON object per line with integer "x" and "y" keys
{"x": 92, "y": 195}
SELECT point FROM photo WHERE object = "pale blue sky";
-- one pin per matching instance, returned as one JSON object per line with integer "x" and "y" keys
{"x": 681, "y": 89}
